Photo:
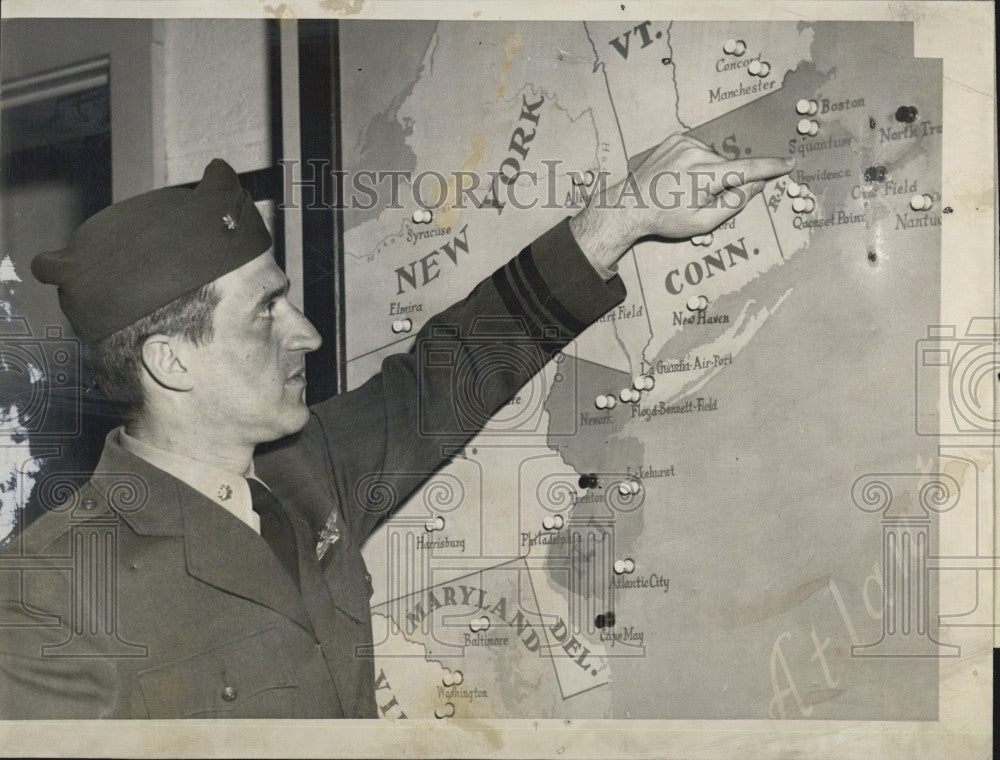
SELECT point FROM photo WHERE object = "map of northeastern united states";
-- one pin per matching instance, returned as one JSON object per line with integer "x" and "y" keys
{"x": 696, "y": 547}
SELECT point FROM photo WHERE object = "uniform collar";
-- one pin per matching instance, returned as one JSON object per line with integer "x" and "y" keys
{"x": 128, "y": 483}
{"x": 227, "y": 489}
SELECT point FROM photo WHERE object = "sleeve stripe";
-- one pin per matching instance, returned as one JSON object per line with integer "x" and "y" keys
{"x": 544, "y": 295}
{"x": 510, "y": 300}
{"x": 537, "y": 328}
{"x": 543, "y": 318}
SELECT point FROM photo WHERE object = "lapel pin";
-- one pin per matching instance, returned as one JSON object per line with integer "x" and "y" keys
{"x": 229, "y": 221}
{"x": 328, "y": 536}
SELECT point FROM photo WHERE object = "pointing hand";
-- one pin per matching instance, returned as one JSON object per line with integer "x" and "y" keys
{"x": 681, "y": 188}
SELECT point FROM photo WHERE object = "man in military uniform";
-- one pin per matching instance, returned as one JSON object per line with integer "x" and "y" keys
{"x": 235, "y": 586}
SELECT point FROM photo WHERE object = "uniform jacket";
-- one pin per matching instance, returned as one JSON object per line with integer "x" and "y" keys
{"x": 139, "y": 597}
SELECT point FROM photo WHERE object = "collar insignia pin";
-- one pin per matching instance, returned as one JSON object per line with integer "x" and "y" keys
{"x": 224, "y": 493}
{"x": 229, "y": 221}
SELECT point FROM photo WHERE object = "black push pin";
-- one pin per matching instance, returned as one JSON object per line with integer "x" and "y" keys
{"x": 875, "y": 174}
{"x": 605, "y": 620}
{"x": 906, "y": 114}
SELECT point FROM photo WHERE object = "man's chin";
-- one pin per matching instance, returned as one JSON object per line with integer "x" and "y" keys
{"x": 292, "y": 421}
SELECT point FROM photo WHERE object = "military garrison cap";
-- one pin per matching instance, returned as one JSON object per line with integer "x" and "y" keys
{"x": 138, "y": 255}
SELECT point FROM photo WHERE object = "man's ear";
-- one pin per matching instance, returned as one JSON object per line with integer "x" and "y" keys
{"x": 162, "y": 357}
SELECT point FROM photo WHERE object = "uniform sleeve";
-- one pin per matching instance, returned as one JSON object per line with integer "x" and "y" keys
{"x": 387, "y": 437}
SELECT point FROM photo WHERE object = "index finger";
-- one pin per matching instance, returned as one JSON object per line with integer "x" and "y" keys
{"x": 743, "y": 171}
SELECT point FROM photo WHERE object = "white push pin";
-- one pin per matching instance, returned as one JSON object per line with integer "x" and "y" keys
{"x": 813, "y": 128}
{"x": 601, "y": 402}
{"x": 917, "y": 203}
{"x": 430, "y": 526}
{"x": 793, "y": 190}
{"x": 457, "y": 678}
{"x": 638, "y": 382}
{"x": 729, "y": 46}
{"x": 446, "y": 711}
{"x": 648, "y": 382}
{"x": 693, "y": 303}
{"x": 407, "y": 324}
{"x": 799, "y": 205}
{"x": 635, "y": 486}
{"x": 588, "y": 178}
{"x": 804, "y": 190}
{"x": 624, "y": 488}
{"x": 428, "y": 216}
{"x": 802, "y": 107}
{"x": 754, "y": 67}
{"x": 702, "y": 303}
{"x": 765, "y": 69}
{"x": 438, "y": 523}
{"x": 548, "y": 523}
{"x": 558, "y": 522}
{"x": 696, "y": 240}
{"x": 707, "y": 239}
{"x": 810, "y": 205}
{"x": 741, "y": 48}
{"x": 803, "y": 126}
{"x": 619, "y": 567}
{"x": 418, "y": 216}
{"x": 397, "y": 326}
{"x": 625, "y": 395}
{"x": 928, "y": 202}
{"x": 813, "y": 107}
{"x": 629, "y": 565}
{"x": 611, "y": 402}
{"x": 636, "y": 396}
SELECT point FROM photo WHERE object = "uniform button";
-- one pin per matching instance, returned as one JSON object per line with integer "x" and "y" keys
{"x": 229, "y": 693}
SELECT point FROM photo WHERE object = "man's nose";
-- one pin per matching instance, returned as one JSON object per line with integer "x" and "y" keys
{"x": 305, "y": 337}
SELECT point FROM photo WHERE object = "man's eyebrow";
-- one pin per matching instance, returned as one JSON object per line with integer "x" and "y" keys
{"x": 271, "y": 294}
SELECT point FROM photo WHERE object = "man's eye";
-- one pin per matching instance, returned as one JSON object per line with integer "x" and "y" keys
{"x": 268, "y": 310}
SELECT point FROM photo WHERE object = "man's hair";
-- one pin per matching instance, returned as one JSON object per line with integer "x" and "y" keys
{"x": 115, "y": 362}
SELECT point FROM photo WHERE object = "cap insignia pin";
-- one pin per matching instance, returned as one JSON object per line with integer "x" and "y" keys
{"x": 229, "y": 221}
